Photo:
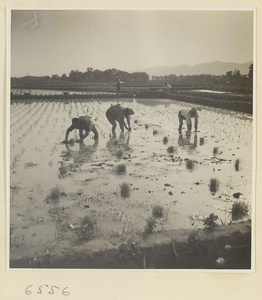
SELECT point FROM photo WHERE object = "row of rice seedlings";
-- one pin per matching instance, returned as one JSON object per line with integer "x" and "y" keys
{"x": 22, "y": 121}
{"x": 19, "y": 115}
{"x": 30, "y": 119}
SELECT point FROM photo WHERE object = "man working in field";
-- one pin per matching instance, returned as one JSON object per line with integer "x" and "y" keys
{"x": 187, "y": 115}
{"x": 82, "y": 124}
{"x": 119, "y": 113}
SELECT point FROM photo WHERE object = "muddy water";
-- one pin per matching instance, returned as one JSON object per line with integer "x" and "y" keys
{"x": 87, "y": 176}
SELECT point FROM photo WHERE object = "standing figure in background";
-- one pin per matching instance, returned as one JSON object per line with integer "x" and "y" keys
{"x": 118, "y": 84}
{"x": 119, "y": 113}
{"x": 187, "y": 115}
{"x": 82, "y": 124}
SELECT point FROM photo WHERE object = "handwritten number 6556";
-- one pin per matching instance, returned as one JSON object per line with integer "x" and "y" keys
{"x": 65, "y": 291}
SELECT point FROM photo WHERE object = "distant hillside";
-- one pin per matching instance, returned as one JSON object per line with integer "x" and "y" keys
{"x": 214, "y": 68}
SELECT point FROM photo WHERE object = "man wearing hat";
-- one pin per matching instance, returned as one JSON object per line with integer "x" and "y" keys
{"x": 188, "y": 115}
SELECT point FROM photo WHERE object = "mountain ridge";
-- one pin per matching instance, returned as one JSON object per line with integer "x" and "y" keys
{"x": 212, "y": 68}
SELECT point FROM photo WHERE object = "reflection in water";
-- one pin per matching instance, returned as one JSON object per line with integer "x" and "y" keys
{"x": 80, "y": 152}
{"x": 80, "y": 156}
{"x": 187, "y": 142}
{"x": 116, "y": 145}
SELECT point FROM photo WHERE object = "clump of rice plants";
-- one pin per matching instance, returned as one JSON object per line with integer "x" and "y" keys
{"x": 165, "y": 140}
{"x": 63, "y": 170}
{"x": 119, "y": 153}
{"x": 135, "y": 121}
{"x": 215, "y": 150}
{"x": 237, "y": 165}
{"x": 158, "y": 211}
{"x": 87, "y": 228}
{"x": 151, "y": 225}
{"x": 146, "y": 126}
{"x": 125, "y": 190}
{"x": 214, "y": 185}
{"x": 190, "y": 164}
{"x": 155, "y": 132}
{"x": 157, "y": 215}
{"x": 54, "y": 196}
{"x": 239, "y": 210}
{"x": 171, "y": 149}
{"x": 30, "y": 165}
{"x": 210, "y": 222}
{"x": 201, "y": 141}
{"x": 121, "y": 169}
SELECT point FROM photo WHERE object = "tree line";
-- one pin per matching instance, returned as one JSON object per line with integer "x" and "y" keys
{"x": 110, "y": 75}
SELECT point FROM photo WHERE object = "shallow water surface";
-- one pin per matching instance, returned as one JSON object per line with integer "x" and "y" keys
{"x": 87, "y": 178}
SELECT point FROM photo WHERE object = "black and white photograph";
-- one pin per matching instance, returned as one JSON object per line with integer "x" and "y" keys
{"x": 132, "y": 139}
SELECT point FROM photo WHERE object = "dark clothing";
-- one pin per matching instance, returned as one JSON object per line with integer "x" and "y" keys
{"x": 187, "y": 115}
{"x": 118, "y": 113}
{"x": 84, "y": 124}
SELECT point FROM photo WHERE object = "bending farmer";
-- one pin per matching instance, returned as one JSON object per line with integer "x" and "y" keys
{"x": 119, "y": 113}
{"x": 187, "y": 115}
{"x": 83, "y": 124}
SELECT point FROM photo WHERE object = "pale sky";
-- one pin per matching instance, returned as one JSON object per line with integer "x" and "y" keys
{"x": 47, "y": 42}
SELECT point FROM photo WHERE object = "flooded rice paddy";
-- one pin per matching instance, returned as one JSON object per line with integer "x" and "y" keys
{"x": 118, "y": 181}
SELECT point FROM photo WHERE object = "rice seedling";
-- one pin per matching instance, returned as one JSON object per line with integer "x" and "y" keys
{"x": 17, "y": 241}
{"x": 125, "y": 190}
{"x": 239, "y": 211}
{"x": 30, "y": 165}
{"x": 54, "y": 196}
{"x": 237, "y": 165}
{"x": 171, "y": 149}
{"x": 151, "y": 225}
{"x": 146, "y": 126}
{"x": 210, "y": 222}
{"x": 165, "y": 140}
{"x": 87, "y": 228}
{"x": 119, "y": 153}
{"x": 155, "y": 132}
{"x": 215, "y": 150}
{"x": 120, "y": 169}
{"x": 63, "y": 170}
{"x": 214, "y": 185}
{"x": 190, "y": 164}
{"x": 201, "y": 141}
{"x": 158, "y": 212}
